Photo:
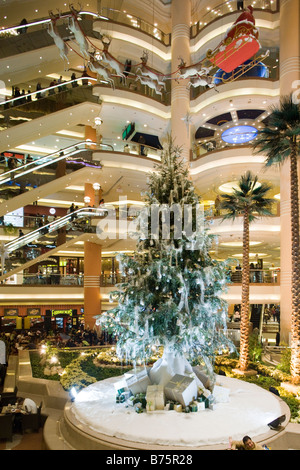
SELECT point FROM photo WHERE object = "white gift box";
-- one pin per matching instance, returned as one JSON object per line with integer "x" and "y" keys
{"x": 138, "y": 381}
{"x": 204, "y": 379}
{"x": 221, "y": 394}
{"x": 121, "y": 384}
{"x": 182, "y": 389}
{"x": 155, "y": 397}
{"x": 201, "y": 406}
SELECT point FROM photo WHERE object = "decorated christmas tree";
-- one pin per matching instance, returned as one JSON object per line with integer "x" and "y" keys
{"x": 172, "y": 294}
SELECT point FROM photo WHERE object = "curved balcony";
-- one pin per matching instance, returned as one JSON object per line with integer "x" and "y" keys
{"x": 216, "y": 19}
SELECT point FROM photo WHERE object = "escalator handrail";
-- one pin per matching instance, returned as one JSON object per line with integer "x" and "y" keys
{"x": 48, "y": 20}
{"x": 43, "y": 90}
{"x": 53, "y": 226}
{"x": 35, "y": 165}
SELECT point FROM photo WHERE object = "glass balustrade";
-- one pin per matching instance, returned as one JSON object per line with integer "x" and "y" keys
{"x": 109, "y": 280}
{"x": 34, "y": 164}
{"x": 42, "y": 240}
{"x": 25, "y": 108}
{"x": 227, "y": 7}
{"x": 257, "y": 276}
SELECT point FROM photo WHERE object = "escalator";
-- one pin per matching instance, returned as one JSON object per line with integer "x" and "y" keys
{"x": 43, "y": 242}
{"x": 42, "y": 117}
{"x": 38, "y": 178}
{"x": 21, "y": 171}
{"x": 15, "y": 41}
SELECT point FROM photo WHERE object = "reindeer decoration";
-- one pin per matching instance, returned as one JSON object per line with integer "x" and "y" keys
{"x": 198, "y": 75}
{"x": 156, "y": 86}
{"x": 108, "y": 59}
{"x": 100, "y": 70}
{"x": 147, "y": 72}
{"x": 191, "y": 70}
{"x": 78, "y": 34}
{"x": 204, "y": 80}
{"x": 53, "y": 31}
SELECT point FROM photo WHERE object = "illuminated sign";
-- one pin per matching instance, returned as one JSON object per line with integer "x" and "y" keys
{"x": 128, "y": 131}
{"x": 11, "y": 312}
{"x": 34, "y": 311}
{"x": 62, "y": 312}
{"x": 239, "y": 134}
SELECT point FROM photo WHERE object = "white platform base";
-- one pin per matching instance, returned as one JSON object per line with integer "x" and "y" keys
{"x": 95, "y": 421}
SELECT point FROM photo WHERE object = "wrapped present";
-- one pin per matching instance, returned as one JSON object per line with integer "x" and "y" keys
{"x": 155, "y": 396}
{"x": 201, "y": 406}
{"x": 150, "y": 406}
{"x": 204, "y": 379}
{"x": 140, "y": 398}
{"x": 138, "y": 381}
{"x": 194, "y": 407}
{"x": 221, "y": 394}
{"x": 182, "y": 389}
{"x": 178, "y": 407}
{"x": 205, "y": 400}
{"x": 123, "y": 396}
{"x": 138, "y": 408}
{"x": 171, "y": 404}
{"x": 130, "y": 401}
{"x": 203, "y": 393}
{"x": 120, "y": 399}
{"x": 121, "y": 386}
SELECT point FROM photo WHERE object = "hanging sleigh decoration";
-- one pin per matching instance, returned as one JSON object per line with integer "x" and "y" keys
{"x": 240, "y": 44}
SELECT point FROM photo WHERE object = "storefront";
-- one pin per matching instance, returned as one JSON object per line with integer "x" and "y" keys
{"x": 33, "y": 320}
{"x": 59, "y": 318}
{"x": 11, "y": 320}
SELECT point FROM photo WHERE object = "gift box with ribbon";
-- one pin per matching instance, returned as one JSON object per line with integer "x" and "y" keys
{"x": 182, "y": 389}
{"x": 155, "y": 397}
{"x": 138, "y": 381}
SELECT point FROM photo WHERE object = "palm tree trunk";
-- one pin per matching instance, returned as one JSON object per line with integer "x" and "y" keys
{"x": 295, "y": 317}
{"x": 244, "y": 340}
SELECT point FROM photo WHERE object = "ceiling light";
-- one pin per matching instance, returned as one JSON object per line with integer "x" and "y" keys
{"x": 251, "y": 255}
{"x": 251, "y": 243}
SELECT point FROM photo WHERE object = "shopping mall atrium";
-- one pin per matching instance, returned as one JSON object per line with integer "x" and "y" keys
{"x": 79, "y": 139}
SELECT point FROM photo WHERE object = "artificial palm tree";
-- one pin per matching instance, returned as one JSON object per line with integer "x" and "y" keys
{"x": 279, "y": 141}
{"x": 248, "y": 201}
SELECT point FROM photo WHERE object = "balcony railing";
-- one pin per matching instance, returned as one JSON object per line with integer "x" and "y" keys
{"x": 226, "y": 8}
{"x": 257, "y": 276}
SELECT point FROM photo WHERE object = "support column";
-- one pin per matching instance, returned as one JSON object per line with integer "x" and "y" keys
{"x": 92, "y": 274}
{"x": 289, "y": 73}
{"x": 180, "y": 103}
{"x": 89, "y": 192}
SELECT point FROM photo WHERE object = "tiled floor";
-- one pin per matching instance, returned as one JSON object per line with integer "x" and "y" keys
{"x": 27, "y": 441}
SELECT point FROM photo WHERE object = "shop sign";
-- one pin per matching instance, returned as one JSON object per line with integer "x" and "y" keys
{"x": 62, "y": 312}
{"x": 11, "y": 312}
{"x": 34, "y": 311}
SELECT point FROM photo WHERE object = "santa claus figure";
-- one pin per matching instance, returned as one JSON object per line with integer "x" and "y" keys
{"x": 245, "y": 24}
{"x": 247, "y": 15}
{"x": 239, "y": 44}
